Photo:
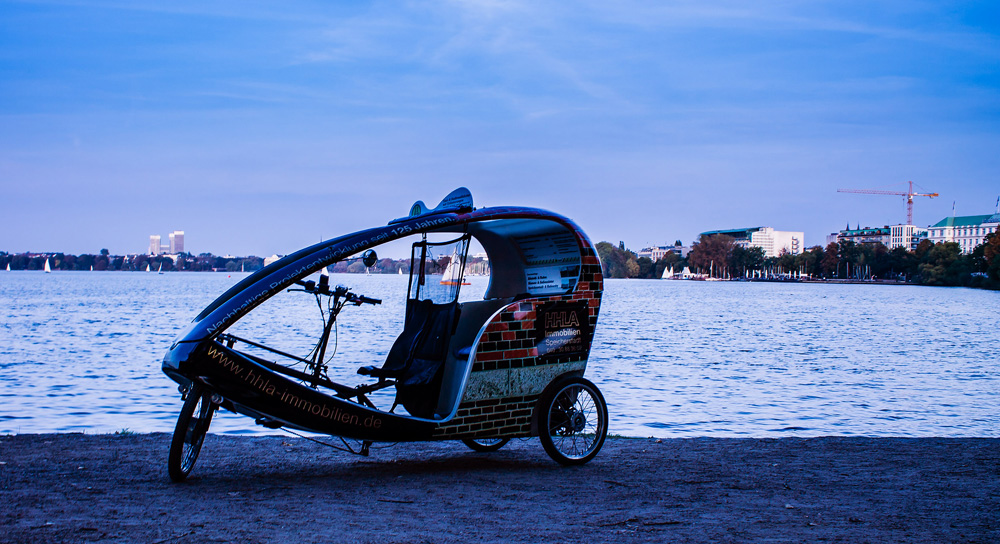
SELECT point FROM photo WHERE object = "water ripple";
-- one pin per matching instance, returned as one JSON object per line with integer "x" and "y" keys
{"x": 696, "y": 359}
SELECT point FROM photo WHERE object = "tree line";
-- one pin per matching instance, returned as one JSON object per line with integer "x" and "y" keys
{"x": 104, "y": 261}
{"x": 721, "y": 257}
{"x": 207, "y": 262}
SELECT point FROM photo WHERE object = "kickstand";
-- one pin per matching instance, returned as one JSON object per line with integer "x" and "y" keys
{"x": 364, "y": 447}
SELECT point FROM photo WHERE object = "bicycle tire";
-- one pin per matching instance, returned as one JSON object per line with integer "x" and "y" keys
{"x": 572, "y": 421}
{"x": 485, "y": 445}
{"x": 189, "y": 434}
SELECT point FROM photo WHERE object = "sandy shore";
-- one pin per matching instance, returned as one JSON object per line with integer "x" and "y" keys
{"x": 78, "y": 488}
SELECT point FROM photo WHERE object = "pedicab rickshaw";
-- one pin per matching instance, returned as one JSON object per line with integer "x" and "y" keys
{"x": 510, "y": 365}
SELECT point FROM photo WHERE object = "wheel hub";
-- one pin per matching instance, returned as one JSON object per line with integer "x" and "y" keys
{"x": 577, "y": 421}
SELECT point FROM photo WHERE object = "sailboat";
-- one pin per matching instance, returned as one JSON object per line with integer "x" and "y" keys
{"x": 8, "y": 267}
{"x": 47, "y": 267}
{"x": 400, "y": 270}
{"x": 160, "y": 271}
{"x": 147, "y": 267}
{"x": 453, "y": 273}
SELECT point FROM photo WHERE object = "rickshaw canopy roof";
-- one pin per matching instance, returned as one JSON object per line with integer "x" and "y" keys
{"x": 532, "y": 252}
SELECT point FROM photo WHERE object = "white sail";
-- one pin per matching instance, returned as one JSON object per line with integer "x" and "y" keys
{"x": 47, "y": 267}
{"x": 453, "y": 273}
{"x": 147, "y": 267}
{"x": 450, "y": 273}
{"x": 8, "y": 267}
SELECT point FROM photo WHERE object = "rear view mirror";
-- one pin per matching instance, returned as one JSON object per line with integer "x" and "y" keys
{"x": 369, "y": 257}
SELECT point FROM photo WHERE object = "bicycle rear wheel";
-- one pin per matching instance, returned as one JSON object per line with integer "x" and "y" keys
{"x": 572, "y": 421}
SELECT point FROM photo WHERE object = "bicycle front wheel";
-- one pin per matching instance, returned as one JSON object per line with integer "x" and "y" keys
{"x": 192, "y": 426}
{"x": 485, "y": 445}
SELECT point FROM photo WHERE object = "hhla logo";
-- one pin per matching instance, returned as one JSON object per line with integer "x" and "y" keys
{"x": 561, "y": 320}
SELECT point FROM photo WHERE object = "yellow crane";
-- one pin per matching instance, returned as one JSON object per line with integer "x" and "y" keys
{"x": 908, "y": 194}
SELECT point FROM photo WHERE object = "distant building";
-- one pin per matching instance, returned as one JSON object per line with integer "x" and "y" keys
{"x": 967, "y": 230}
{"x": 176, "y": 245}
{"x": 177, "y": 242}
{"x": 906, "y": 236}
{"x": 478, "y": 265}
{"x": 271, "y": 259}
{"x": 655, "y": 253}
{"x": 770, "y": 240}
{"x": 866, "y": 235}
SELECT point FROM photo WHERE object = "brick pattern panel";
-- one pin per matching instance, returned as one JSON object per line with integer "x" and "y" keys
{"x": 509, "y": 339}
{"x": 509, "y": 343}
{"x": 491, "y": 418}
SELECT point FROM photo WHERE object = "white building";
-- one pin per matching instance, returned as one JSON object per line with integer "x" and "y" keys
{"x": 773, "y": 242}
{"x": 176, "y": 245}
{"x": 906, "y": 236}
{"x": 655, "y": 253}
{"x": 968, "y": 231}
{"x": 177, "y": 242}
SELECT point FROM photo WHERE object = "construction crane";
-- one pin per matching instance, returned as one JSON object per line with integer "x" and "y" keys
{"x": 908, "y": 194}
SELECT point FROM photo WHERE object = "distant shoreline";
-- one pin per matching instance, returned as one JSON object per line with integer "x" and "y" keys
{"x": 803, "y": 281}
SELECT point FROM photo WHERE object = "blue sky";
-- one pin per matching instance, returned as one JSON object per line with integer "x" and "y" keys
{"x": 258, "y": 128}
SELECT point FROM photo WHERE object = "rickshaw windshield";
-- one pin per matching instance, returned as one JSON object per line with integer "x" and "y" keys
{"x": 437, "y": 270}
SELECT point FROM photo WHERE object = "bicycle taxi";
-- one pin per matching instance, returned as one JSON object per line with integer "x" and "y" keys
{"x": 508, "y": 365}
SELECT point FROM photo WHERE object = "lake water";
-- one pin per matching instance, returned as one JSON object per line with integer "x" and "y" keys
{"x": 81, "y": 351}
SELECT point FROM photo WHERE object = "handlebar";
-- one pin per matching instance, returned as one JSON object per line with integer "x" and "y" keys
{"x": 323, "y": 288}
{"x": 361, "y": 299}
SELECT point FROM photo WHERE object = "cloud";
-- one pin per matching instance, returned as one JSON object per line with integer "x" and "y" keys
{"x": 642, "y": 120}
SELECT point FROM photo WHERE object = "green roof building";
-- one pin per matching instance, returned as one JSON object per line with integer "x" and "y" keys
{"x": 867, "y": 235}
{"x": 966, "y": 230}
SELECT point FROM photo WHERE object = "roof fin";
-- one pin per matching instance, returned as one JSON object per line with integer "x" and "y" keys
{"x": 458, "y": 200}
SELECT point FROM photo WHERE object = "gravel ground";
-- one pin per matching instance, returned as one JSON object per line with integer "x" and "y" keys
{"x": 81, "y": 488}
